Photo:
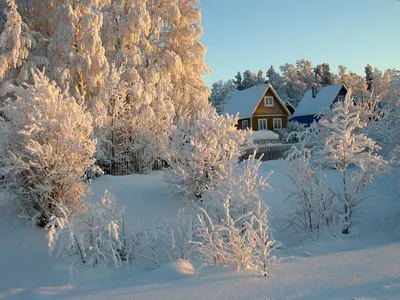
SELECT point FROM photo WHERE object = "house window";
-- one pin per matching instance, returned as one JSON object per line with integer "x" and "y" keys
{"x": 245, "y": 124}
{"x": 268, "y": 101}
{"x": 277, "y": 123}
{"x": 340, "y": 98}
{"x": 262, "y": 124}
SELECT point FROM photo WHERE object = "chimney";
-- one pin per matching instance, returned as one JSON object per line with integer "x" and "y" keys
{"x": 314, "y": 91}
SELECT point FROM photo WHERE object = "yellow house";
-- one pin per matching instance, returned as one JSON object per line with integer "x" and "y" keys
{"x": 259, "y": 108}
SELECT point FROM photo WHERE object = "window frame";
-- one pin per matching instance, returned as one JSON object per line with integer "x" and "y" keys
{"x": 273, "y": 123}
{"x": 266, "y": 104}
{"x": 266, "y": 124}
{"x": 247, "y": 124}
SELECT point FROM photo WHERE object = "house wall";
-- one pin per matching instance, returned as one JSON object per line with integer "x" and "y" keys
{"x": 269, "y": 113}
{"x": 239, "y": 123}
{"x": 270, "y": 123}
{"x": 342, "y": 92}
{"x": 306, "y": 120}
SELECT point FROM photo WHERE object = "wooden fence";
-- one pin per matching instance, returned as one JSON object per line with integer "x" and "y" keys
{"x": 121, "y": 168}
{"x": 271, "y": 151}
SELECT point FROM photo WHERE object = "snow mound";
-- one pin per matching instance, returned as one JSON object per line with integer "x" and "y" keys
{"x": 265, "y": 135}
{"x": 174, "y": 270}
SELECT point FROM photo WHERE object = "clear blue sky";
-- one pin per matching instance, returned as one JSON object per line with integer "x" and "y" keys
{"x": 254, "y": 34}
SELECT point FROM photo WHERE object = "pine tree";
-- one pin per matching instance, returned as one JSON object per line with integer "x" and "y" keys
{"x": 369, "y": 77}
{"x": 249, "y": 79}
{"x": 239, "y": 81}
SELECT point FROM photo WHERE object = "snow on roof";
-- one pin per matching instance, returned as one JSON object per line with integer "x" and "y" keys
{"x": 265, "y": 135}
{"x": 312, "y": 106}
{"x": 244, "y": 102}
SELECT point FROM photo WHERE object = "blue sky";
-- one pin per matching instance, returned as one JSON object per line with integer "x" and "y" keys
{"x": 254, "y": 34}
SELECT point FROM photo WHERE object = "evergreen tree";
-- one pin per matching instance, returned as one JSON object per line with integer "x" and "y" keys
{"x": 249, "y": 79}
{"x": 239, "y": 81}
{"x": 369, "y": 77}
{"x": 221, "y": 92}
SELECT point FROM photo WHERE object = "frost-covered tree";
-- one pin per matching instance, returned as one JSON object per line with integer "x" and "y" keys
{"x": 354, "y": 82}
{"x": 20, "y": 49}
{"x": 76, "y": 50}
{"x": 277, "y": 81}
{"x": 345, "y": 149}
{"x": 49, "y": 149}
{"x": 305, "y": 73}
{"x": 294, "y": 88}
{"x": 338, "y": 142}
{"x": 221, "y": 92}
{"x": 382, "y": 85}
{"x": 14, "y": 47}
{"x": 260, "y": 77}
{"x": 203, "y": 151}
{"x": 249, "y": 79}
{"x": 323, "y": 74}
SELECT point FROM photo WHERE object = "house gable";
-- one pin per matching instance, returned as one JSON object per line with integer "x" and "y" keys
{"x": 276, "y": 109}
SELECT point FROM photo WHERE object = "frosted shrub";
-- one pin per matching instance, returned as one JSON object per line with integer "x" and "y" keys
{"x": 98, "y": 236}
{"x": 177, "y": 237}
{"x": 263, "y": 244}
{"x": 288, "y": 134}
{"x": 345, "y": 149}
{"x": 203, "y": 151}
{"x": 244, "y": 241}
{"x": 396, "y": 170}
{"x": 49, "y": 149}
{"x": 310, "y": 198}
{"x": 242, "y": 187}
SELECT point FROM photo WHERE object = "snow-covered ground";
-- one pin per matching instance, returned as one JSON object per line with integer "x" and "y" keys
{"x": 364, "y": 265}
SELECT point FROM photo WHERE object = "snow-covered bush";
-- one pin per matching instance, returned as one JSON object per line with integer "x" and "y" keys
{"x": 346, "y": 149}
{"x": 100, "y": 235}
{"x": 260, "y": 236}
{"x": 311, "y": 140}
{"x": 310, "y": 198}
{"x": 49, "y": 149}
{"x": 177, "y": 237}
{"x": 243, "y": 188}
{"x": 396, "y": 170}
{"x": 244, "y": 241}
{"x": 204, "y": 150}
{"x": 337, "y": 142}
{"x": 285, "y": 134}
